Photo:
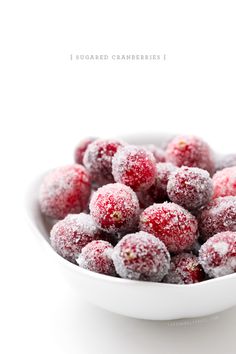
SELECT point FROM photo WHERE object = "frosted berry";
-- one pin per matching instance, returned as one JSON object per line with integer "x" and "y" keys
{"x": 96, "y": 256}
{"x": 81, "y": 148}
{"x": 141, "y": 256}
{"x": 184, "y": 269}
{"x": 70, "y": 235}
{"x": 158, "y": 153}
{"x": 190, "y": 151}
{"x": 190, "y": 187}
{"x": 219, "y": 215}
{"x": 115, "y": 207}
{"x": 218, "y": 255}
{"x": 65, "y": 190}
{"x": 158, "y": 191}
{"x": 172, "y": 224}
{"x": 98, "y": 160}
{"x": 225, "y": 161}
{"x": 224, "y": 182}
{"x": 135, "y": 167}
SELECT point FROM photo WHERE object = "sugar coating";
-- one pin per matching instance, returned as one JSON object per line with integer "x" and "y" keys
{"x": 172, "y": 224}
{"x": 224, "y": 161}
{"x": 190, "y": 187}
{"x": 158, "y": 191}
{"x": 115, "y": 208}
{"x": 158, "y": 153}
{"x": 219, "y": 215}
{"x": 65, "y": 190}
{"x": 218, "y": 255}
{"x": 96, "y": 256}
{"x": 81, "y": 148}
{"x": 141, "y": 256}
{"x": 98, "y": 160}
{"x": 135, "y": 167}
{"x": 190, "y": 151}
{"x": 224, "y": 182}
{"x": 70, "y": 235}
{"x": 184, "y": 269}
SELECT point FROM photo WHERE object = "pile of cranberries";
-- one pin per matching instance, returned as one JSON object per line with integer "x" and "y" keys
{"x": 145, "y": 213}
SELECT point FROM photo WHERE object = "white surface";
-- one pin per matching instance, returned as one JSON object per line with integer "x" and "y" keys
{"x": 48, "y": 103}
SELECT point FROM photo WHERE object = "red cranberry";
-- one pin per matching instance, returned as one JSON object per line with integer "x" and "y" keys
{"x": 141, "y": 256}
{"x": 218, "y": 255}
{"x": 98, "y": 160}
{"x": 219, "y": 215}
{"x": 224, "y": 182}
{"x": 81, "y": 148}
{"x": 135, "y": 167}
{"x": 190, "y": 187}
{"x": 65, "y": 190}
{"x": 174, "y": 225}
{"x": 158, "y": 153}
{"x": 70, "y": 235}
{"x": 190, "y": 151}
{"x": 96, "y": 256}
{"x": 184, "y": 269}
{"x": 115, "y": 207}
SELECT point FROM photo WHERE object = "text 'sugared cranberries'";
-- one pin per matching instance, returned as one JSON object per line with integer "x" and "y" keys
{"x": 190, "y": 151}
{"x": 219, "y": 215}
{"x": 224, "y": 182}
{"x": 218, "y": 255}
{"x": 135, "y": 167}
{"x": 115, "y": 207}
{"x": 96, "y": 256}
{"x": 157, "y": 152}
{"x": 174, "y": 225}
{"x": 81, "y": 148}
{"x": 70, "y": 235}
{"x": 65, "y": 190}
{"x": 224, "y": 161}
{"x": 158, "y": 191}
{"x": 98, "y": 160}
{"x": 141, "y": 256}
{"x": 184, "y": 269}
{"x": 190, "y": 187}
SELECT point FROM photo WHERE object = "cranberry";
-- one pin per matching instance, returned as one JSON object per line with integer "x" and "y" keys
{"x": 174, "y": 225}
{"x": 190, "y": 151}
{"x": 224, "y": 182}
{"x": 190, "y": 187}
{"x": 219, "y": 215}
{"x": 96, "y": 256}
{"x": 70, "y": 235}
{"x": 141, "y": 256}
{"x": 81, "y": 148}
{"x": 98, "y": 160}
{"x": 115, "y": 207}
{"x": 65, "y": 190}
{"x": 218, "y": 255}
{"x": 184, "y": 269}
{"x": 158, "y": 153}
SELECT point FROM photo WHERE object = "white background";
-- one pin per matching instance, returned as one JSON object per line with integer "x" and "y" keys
{"x": 49, "y": 103}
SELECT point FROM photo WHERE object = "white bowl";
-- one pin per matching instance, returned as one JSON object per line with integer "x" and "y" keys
{"x": 139, "y": 299}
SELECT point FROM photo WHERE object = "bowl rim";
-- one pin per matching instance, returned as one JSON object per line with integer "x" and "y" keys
{"x": 94, "y": 275}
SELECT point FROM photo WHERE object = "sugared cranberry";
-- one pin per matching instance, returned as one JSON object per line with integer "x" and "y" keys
{"x": 96, "y": 256}
{"x": 224, "y": 182}
{"x": 225, "y": 161}
{"x": 81, "y": 148}
{"x": 190, "y": 187}
{"x": 219, "y": 215}
{"x": 135, "y": 167}
{"x": 174, "y": 225}
{"x": 218, "y": 255}
{"x": 65, "y": 190}
{"x": 158, "y": 191}
{"x": 98, "y": 160}
{"x": 157, "y": 152}
{"x": 141, "y": 256}
{"x": 190, "y": 151}
{"x": 70, "y": 235}
{"x": 115, "y": 207}
{"x": 184, "y": 269}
